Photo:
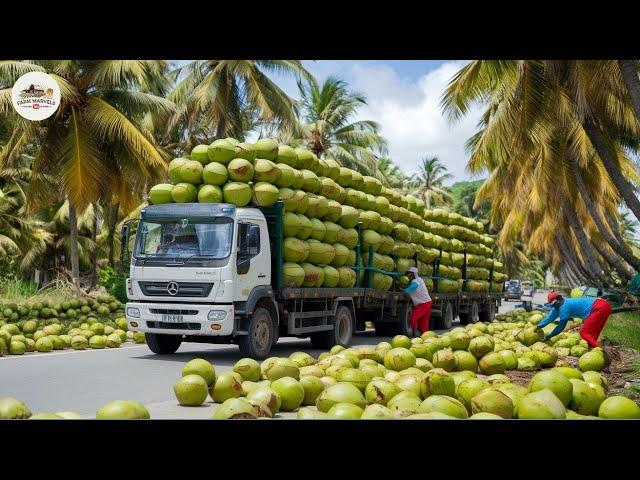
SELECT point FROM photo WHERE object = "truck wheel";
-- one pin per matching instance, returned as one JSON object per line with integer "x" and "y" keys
{"x": 163, "y": 344}
{"x": 488, "y": 314}
{"x": 341, "y": 333}
{"x": 471, "y": 316}
{"x": 447, "y": 316}
{"x": 259, "y": 339}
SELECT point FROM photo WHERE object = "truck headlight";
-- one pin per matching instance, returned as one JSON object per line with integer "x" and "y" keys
{"x": 133, "y": 312}
{"x": 216, "y": 315}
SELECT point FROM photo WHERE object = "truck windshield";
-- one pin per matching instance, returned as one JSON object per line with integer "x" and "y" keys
{"x": 183, "y": 239}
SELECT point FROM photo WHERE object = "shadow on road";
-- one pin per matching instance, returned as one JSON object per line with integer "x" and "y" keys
{"x": 229, "y": 354}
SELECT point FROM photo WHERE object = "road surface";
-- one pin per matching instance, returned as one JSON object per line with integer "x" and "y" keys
{"x": 82, "y": 381}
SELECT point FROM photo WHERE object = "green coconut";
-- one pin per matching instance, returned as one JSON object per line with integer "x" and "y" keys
{"x": 240, "y": 170}
{"x": 266, "y": 148}
{"x": 287, "y": 155}
{"x": 221, "y": 151}
{"x": 191, "y": 172}
{"x": 210, "y": 194}
{"x": 618, "y": 407}
{"x": 123, "y": 410}
{"x": 267, "y": 396}
{"x": 174, "y": 169}
{"x": 200, "y": 366}
{"x": 13, "y": 409}
{"x": 341, "y": 392}
{"x": 290, "y": 391}
{"x": 191, "y": 390}
{"x": 591, "y": 361}
{"x": 349, "y": 217}
{"x": 293, "y": 275}
{"x": 246, "y": 151}
{"x": 444, "y": 404}
{"x": 264, "y": 194}
{"x": 184, "y": 193}
{"x": 235, "y": 409}
{"x": 304, "y": 158}
{"x": 295, "y": 250}
{"x": 491, "y": 400}
{"x": 225, "y": 387}
{"x": 554, "y": 381}
{"x": 287, "y": 176}
{"x": 541, "y": 404}
{"x": 237, "y": 193}
{"x": 305, "y": 227}
{"x": 248, "y": 369}
{"x": 265, "y": 171}
{"x": 199, "y": 154}
{"x": 161, "y": 193}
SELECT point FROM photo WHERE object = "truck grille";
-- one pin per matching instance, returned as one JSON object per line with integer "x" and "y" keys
{"x": 174, "y": 326}
{"x": 185, "y": 289}
{"x": 166, "y": 311}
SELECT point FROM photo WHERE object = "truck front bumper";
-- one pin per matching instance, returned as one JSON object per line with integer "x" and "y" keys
{"x": 180, "y": 319}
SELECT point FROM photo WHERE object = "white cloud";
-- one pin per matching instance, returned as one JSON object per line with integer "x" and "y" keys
{"x": 411, "y": 118}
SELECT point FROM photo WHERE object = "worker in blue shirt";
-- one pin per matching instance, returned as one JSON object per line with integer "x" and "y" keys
{"x": 594, "y": 311}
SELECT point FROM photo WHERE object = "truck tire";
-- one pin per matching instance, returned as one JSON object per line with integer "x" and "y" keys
{"x": 488, "y": 314}
{"x": 163, "y": 344}
{"x": 260, "y": 337}
{"x": 472, "y": 316}
{"x": 339, "y": 335}
{"x": 400, "y": 326}
{"x": 446, "y": 321}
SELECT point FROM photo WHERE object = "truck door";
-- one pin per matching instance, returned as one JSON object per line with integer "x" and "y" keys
{"x": 253, "y": 261}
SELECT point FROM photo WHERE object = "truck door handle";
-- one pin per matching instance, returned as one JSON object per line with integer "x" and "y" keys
{"x": 262, "y": 275}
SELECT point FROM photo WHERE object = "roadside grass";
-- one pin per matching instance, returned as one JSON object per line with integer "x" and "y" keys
{"x": 13, "y": 290}
{"x": 624, "y": 329}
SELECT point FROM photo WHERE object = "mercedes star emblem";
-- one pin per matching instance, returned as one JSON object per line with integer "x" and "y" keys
{"x": 172, "y": 288}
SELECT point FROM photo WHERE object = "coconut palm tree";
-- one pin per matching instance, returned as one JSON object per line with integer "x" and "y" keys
{"x": 430, "y": 182}
{"x": 217, "y": 98}
{"x": 22, "y": 237}
{"x": 536, "y": 144}
{"x": 95, "y": 145}
{"x": 328, "y": 111}
{"x": 389, "y": 173}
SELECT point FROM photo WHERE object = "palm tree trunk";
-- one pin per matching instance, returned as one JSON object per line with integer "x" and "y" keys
{"x": 113, "y": 221}
{"x": 622, "y": 249}
{"x": 94, "y": 253}
{"x": 73, "y": 231}
{"x": 574, "y": 262}
{"x": 617, "y": 231}
{"x": 590, "y": 260}
{"x": 600, "y": 143}
{"x": 614, "y": 260}
{"x": 631, "y": 80}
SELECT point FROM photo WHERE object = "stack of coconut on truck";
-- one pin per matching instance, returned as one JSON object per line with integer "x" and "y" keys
{"x": 329, "y": 210}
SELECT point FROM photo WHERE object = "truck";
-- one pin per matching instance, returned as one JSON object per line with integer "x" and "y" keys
{"x": 213, "y": 273}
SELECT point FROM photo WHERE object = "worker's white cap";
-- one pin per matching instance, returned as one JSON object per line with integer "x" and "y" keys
{"x": 413, "y": 270}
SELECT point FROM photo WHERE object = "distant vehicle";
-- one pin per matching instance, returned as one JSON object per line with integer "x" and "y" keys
{"x": 513, "y": 290}
{"x": 528, "y": 289}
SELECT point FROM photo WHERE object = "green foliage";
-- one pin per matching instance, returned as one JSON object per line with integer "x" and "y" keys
{"x": 623, "y": 329}
{"x": 115, "y": 283}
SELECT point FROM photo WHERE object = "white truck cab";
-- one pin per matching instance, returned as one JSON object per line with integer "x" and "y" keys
{"x": 191, "y": 264}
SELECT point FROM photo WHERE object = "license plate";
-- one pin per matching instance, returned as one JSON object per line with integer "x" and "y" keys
{"x": 172, "y": 318}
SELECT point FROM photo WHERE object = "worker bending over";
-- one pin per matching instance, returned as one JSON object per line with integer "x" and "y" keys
{"x": 594, "y": 311}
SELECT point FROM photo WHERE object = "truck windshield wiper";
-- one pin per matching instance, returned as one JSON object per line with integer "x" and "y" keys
{"x": 177, "y": 263}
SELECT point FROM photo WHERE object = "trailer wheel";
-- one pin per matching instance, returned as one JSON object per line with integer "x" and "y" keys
{"x": 472, "y": 316}
{"x": 447, "y": 316}
{"x": 487, "y": 315}
{"x": 259, "y": 339}
{"x": 341, "y": 333}
{"x": 163, "y": 344}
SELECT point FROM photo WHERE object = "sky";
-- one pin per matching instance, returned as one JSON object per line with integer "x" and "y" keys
{"x": 403, "y": 96}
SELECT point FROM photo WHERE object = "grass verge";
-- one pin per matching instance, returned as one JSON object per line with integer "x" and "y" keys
{"x": 623, "y": 329}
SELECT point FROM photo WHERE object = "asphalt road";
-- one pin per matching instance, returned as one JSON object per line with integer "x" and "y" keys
{"x": 82, "y": 381}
